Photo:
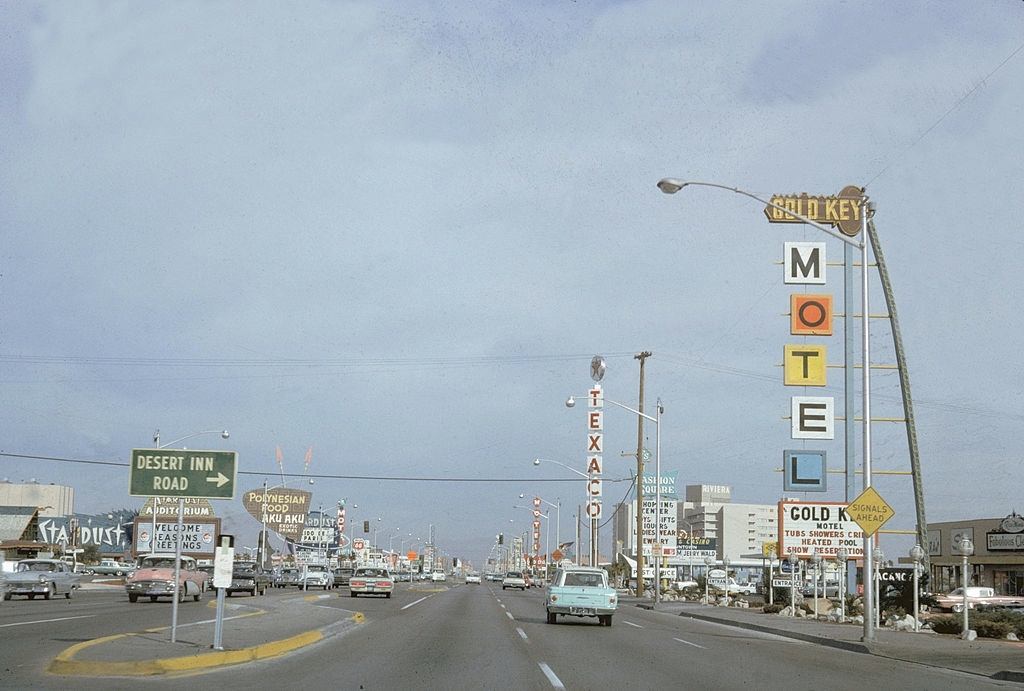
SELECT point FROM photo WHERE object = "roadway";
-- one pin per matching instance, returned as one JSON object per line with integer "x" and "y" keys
{"x": 454, "y": 636}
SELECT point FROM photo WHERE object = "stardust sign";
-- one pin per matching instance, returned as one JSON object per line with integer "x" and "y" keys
{"x": 823, "y": 526}
{"x": 283, "y": 510}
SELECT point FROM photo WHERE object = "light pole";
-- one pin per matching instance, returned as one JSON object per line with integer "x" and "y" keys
{"x": 672, "y": 185}
{"x": 726, "y": 562}
{"x": 792, "y": 559}
{"x": 177, "y": 536}
{"x": 709, "y": 562}
{"x": 916, "y": 555}
{"x": 816, "y": 560}
{"x": 966, "y": 549}
{"x": 570, "y": 402}
{"x": 877, "y": 557}
{"x": 842, "y": 555}
{"x": 771, "y": 578}
{"x": 537, "y": 462}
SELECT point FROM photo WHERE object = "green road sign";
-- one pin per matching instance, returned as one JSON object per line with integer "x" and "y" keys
{"x": 180, "y": 473}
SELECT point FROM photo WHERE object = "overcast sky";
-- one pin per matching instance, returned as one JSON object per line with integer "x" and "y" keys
{"x": 397, "y": 233}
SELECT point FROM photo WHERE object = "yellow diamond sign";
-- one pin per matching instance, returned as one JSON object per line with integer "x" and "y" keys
{"x": 870, "y": 511}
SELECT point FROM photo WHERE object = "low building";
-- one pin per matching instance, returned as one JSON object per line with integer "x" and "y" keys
{"x": 997, "y": 561}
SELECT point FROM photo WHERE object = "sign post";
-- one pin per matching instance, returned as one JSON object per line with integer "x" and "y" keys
{"x": 223, "y": 565}
{"x": 181, "y": 473}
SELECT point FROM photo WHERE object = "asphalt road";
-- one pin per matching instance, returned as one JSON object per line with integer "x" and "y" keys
{"x": 470, "y": 637}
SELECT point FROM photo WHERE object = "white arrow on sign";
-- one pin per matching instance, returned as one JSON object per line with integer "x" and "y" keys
{"x": 220, "y": 479}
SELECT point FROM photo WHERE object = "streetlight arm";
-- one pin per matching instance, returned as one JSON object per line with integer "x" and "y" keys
{"x": 538, "y": 461}
{"x": 672, "y": 185}
{"x": 222, "y": 433}
{"x": 632, "y": 410}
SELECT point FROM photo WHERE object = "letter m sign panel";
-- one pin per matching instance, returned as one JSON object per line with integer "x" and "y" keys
{"x": 804, "y": 262}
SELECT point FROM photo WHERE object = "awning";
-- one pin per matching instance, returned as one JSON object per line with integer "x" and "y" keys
{"x": 14, "y": 522}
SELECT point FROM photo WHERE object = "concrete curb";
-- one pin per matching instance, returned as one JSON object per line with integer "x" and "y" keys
{"x": 852, "y": 646}
{"x": 65, "y": 663}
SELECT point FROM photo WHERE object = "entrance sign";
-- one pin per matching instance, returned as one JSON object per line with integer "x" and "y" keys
{"x": 804, "y": 471}
{"x": 823, "y": 526}
{"x": 804, "y": 262}
{"x": 842, "y": 210}
{"x": 810, "y": 315}
{"x": 870, "y": 511}
{"x": 182, "y": 473}
{"x": 813, "y": 417}
{"x": 804, "y": 365}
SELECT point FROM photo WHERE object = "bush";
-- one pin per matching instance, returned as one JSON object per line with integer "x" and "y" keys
{"x": 1014, "y": 619}
{"x": 947, "y": 624}
{"x": 987, "y": 628}
{"x": 772, "y": 609}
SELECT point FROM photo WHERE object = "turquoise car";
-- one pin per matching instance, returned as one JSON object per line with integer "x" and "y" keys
{"x": 578, "y": 591}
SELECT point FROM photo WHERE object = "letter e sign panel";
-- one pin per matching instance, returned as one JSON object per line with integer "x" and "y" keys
{"x": 810, "y": 315}
{"x": 813, "y": 417}
{"x": 804, "y": 365}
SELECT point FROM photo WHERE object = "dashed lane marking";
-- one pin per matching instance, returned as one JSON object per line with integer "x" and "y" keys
{"x": 509, "y": 615}
{"x": 635, "y": 626}
{"x": 552, "y": 677}
{"x": 522, "y": 633}
{"x": 415, "y": 602}
{"x": 688, "y": 643}
{"x": 46, "y": 621}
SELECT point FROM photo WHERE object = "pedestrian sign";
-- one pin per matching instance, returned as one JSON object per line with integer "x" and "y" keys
{"x": 870, "y": 511}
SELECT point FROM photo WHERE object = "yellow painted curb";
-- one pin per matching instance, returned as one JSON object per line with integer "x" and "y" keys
{"x": 64, "y": 664}
{"x": 358, "y": 618}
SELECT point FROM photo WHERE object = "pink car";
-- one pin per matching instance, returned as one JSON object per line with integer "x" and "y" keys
{"x": 154, "y": 577}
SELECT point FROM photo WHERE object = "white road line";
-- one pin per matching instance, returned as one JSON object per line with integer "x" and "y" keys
{"x": 522, "y": 633}
{"x": 415, "y": 602}
{"x": 688, "y": 643}
{"x": 552, "y": 677}
{"x": 636, "y": 626}
{"x": 46, "y": 621}
{"x": 211, "y": 621}
{"x": 509, "y": 615}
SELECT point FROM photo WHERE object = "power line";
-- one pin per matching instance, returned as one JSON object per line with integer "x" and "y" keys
{"x": 322, "y": 476}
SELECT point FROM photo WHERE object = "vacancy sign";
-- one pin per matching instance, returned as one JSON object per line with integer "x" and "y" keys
{"x": 870, "y": 511}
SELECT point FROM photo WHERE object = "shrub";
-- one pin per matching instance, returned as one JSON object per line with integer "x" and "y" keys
{"x": 987, "y": 628}
{"x": 772, "y": 609}
{"x": 947, "y": 624}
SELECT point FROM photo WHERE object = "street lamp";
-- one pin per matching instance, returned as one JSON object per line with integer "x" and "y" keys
{"x": 709, "y": 562}
{"x": 569, "y": 403}
{"x": 816, "y": 560}
{"x": 842, "y": 555}
{"x": 792, "y": 559}
{"x": 916, "y": 555}
{"x": 878, "y": 558}
{"x": 966, "y": 549}
{"x": 673, "y": 185}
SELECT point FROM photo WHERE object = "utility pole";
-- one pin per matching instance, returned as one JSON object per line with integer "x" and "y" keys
{"x": 641, "y": 356}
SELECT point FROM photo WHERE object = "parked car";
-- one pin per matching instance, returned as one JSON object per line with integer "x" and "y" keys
{"x": 45, "y": 577}
{"x": 580, "y": 592}
{"x": 976, "y": 596}
{"x": 208, "y": 570}
{"x": 342, "y": 575}
{"x": 513, "y": 579}
{"x": 248, "y": 577}
{"x": 371, "y": 580}
{"x": 316, "y": 576}
{"x": 287, "y": 576}
{"x": 472, "y": 577}
{"x": 734, "y": 588}
{"x": 154, "y": 577}
{"x": 108, "y": 567}
{"x": 683, "y": 585}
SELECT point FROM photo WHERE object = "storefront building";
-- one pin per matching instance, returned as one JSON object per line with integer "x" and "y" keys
{"x": 997, "y": 561}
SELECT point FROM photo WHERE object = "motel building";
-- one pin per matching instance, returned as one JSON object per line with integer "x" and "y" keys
{"x": 997, "y": 561}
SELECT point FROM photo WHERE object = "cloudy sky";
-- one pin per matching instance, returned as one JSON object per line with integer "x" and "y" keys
{"x": 397, "y": 233}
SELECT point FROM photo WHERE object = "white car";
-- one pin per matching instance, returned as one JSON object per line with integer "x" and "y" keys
{"x": 317, "y": 576}
{"x": 438, "y": 577}
{"x": 513, "y": 579}
{"x": 472, "y": 578}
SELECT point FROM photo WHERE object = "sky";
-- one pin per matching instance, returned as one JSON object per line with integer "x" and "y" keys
{"x": 397, "y": 233}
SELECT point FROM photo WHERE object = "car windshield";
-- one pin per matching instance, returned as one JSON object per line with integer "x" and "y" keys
{"x": 513, "y": 574}
{"x": 314, "y": 567}
{"x": 244, "y": 571}
{"x": 37, "y": 566}
{"x": 587, "y": 580}
{"x": 159, "y": 563}
{"x": 371, "y": 573}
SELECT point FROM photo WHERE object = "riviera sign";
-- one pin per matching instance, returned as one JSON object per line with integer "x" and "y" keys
{"x": 181, "y": 473}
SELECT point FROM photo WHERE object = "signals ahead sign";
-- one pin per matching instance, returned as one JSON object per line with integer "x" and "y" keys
{"x": 181, "y": 473}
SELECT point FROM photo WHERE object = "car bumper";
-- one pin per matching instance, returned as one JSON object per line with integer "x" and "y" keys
{"x": 573, "y": 611}
{"x": 372, "y": 589}
{"x": 27, "y": 589}
{"x": 151, "y": 589}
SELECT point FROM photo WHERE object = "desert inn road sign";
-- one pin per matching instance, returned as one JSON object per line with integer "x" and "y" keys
{"x": 181, "y": 473}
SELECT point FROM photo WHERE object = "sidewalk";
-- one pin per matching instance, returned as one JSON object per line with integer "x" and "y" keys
{"x": 995, "y": 659}
{"x": 254, "y": 629}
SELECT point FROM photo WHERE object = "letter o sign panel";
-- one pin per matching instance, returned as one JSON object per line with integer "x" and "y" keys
{"x": 594, "y": 509}
{"x": 810, "y": 315}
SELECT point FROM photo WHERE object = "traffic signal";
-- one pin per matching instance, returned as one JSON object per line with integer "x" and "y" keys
{"x": 501, "y": 538}
{"x": 366, "y": 527}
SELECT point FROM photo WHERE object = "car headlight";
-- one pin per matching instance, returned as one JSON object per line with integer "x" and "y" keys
{"x": 42, "y": 579}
